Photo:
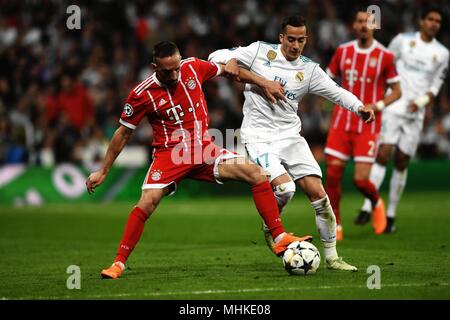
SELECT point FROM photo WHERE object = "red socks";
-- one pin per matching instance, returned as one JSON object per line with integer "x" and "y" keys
{"x": 132, "y": 234}
{"x": 333, "y": 188}
{"x": 267, "y": 207}
{"x": 368, "y": 189}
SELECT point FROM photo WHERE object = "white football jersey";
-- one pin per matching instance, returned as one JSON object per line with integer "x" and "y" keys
{"x": 264, "y": 121}
{"x": 422, "y": 67}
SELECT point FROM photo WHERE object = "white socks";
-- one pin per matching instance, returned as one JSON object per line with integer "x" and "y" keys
{"x": 326, "y": 224}
{"x": 377, "y": 173}
{"x": 398, "y": 182}
{"x": 120, "y": 264}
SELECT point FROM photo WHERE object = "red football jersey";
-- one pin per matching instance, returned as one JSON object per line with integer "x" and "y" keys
{"x": 366, "y": 73}
{"x": 178, "y": 114}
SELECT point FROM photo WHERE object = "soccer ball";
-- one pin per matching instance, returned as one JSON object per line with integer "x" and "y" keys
{"x": 301, "y": 257}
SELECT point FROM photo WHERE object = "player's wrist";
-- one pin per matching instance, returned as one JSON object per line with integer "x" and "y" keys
{"x": 380, "y": 105}
{"x": 359, "y": 109}
{"x": 422, "y": 101}
{"x": 104, "y": 170}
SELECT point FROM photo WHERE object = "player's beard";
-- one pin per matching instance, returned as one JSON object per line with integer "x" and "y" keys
{"x": 363, "y": 38}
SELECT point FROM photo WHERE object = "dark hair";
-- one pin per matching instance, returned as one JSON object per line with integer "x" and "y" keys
{"x": 164, "y": 49}
{"x": 295, "y": 21}
{"x": 431, "y": 8}
{"x": 357, "y": 9}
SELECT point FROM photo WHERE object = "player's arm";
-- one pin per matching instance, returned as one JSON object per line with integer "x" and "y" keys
{"x": 237, "y": 63}
{"x": 116, "y": 145}
{"x": 391, "y": 77}
{"x": 422, "y": 101}
{"x": 395, "y": 94}
{"x": 244, "y": 55}
{"x": 135, "y": 109}
{"x": 321, "y": 84}
{"x": 271, "y": 89}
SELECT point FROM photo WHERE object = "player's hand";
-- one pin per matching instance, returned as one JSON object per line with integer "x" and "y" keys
{"x": 412, "y": 107}
{"x": 273, "y": 91}
{"x": 232, "y": 69}
{"x": 366, "y": 113}
{"x": 95, "y": 179}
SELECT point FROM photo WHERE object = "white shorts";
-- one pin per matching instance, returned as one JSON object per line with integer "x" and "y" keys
{"x": 401, "y": 131}
{"x": 290, "y": 155}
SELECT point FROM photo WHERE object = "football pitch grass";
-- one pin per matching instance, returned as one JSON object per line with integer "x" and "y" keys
{"x": 213, "y": 249}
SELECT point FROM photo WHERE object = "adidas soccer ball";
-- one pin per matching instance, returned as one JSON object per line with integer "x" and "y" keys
{"x": 301, "y": 257}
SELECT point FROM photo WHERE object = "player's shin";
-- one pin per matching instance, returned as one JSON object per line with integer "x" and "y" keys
{"x": 267, "y": 207}
{"x": 368, "y": 189}
{"x": 377, "y": 174}
{"x": 326, "y": 224}
{"x": 333, "y": 188}
{"x": 397, "y": 185}
{"x": 132, "y": 234}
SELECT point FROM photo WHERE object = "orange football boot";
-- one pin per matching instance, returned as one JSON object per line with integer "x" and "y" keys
{"x": 113, "y": 272}
{"x": 280, "y": 246}
{"x": 379, "y": 220}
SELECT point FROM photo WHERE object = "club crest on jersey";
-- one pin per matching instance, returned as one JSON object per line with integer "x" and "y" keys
{"x": 300, "y": 76}
{"x": 348, "y": 61}
{"x": 271, "y": 55}
{"x": 128, "y": 110}
{"x": 191, "y": 84}
{"x": 156, "y": 175}
{"x": 412, "y": 44}
{"x": 373, "y": 62}
{"x": 434, "y": 59}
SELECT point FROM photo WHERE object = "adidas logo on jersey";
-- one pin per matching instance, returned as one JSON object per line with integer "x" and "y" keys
{"x": 161, "y": 102}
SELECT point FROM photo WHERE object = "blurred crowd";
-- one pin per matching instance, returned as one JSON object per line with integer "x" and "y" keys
{"x": 62, "y": 91}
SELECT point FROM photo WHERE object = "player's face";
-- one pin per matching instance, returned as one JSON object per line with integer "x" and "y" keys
{"x": 431, "y": 24}
{"x": 361, "y": 27}
{"x": 168, "y": 69}
{"x": 293, "y": 41}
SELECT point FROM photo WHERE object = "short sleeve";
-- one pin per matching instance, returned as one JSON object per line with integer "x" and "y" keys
{"x": 333, "y": 69}
{"x": 390, "y": 71}
{"x": 134, "y": 110}
{"x": 207, "y": 69}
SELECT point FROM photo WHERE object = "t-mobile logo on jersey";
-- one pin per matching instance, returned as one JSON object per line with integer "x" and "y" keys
{"x": 175, "y": 115}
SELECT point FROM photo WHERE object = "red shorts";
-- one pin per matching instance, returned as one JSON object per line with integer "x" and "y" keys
{"x": 362, "y": 147}
{"x": 170, "y": 166}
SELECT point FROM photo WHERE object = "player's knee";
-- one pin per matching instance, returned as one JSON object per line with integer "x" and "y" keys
{"x": 284, "y": 193}
{"x": 401, "y": 162}
{"x": 148, "y": 203}
{"x": 317, "y": 195}
{"x": 382, "y": 159}
{"x": 383, "y": 156}
{"x": 315, "y": 192}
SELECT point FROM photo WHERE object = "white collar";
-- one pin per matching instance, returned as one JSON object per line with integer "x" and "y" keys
{"x": 365, "y": 50}
{"x": 419, "y": 38}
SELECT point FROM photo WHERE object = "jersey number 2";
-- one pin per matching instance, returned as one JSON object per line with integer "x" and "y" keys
{"x": 371, "y": 148}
